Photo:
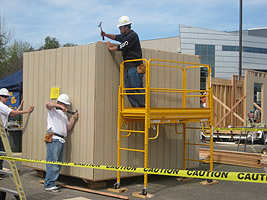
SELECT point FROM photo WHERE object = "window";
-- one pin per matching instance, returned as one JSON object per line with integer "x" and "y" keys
{"x": 245, "y": 49}
{"x": 207, "y": 56}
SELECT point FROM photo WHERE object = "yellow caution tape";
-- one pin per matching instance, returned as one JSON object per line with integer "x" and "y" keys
{"x": 226, "y": 176}
{"x": 240, "y": 129}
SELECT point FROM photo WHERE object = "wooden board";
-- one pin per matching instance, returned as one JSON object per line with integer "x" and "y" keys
{"x": 232, "y": 157}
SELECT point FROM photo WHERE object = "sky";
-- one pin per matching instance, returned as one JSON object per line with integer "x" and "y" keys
{"x": 76, "y": 21}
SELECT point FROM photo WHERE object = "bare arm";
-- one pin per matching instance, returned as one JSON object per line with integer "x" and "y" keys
{"x": 21, "y": 104}
{"x": 50, "y": 105}
{"x": 19, "y": 112}
{"x": 72, "y": 122}
{"x": 110, "y": 36}
{"x": 111, "y": 47}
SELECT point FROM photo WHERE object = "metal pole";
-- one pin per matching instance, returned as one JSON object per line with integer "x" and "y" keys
{"x": 240, "y": 39}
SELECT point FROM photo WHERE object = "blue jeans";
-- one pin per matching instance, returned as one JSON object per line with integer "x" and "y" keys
{"x": 132, "y": 79}
{"x": 54, "y": 152}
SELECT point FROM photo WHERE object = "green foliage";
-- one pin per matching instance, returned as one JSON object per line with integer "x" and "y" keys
{"x": 5, "y": 37}
{"x": 69, "y": 45}
{"x": 13, "y": 60}
{"x": 50, "y": 43}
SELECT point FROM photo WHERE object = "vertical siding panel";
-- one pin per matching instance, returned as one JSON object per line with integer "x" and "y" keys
{"x": 91, "y": 105}
{"x": 108, "y": 117}
{"x": 26, "y": 64}
{"x": 153, "y": 143}
{"x": 196, "y": 103}
{"x": 45, "y": 66}
{"x": 71, "y": 71}
{"x": 184, "y": 58}
{"x": 173, "y": 100}
{"x": 59, "y": 67}
{"x": 33, "y": 117}
{"x": 100, "y": 109}
{"x": 52, "y": 60}
{"x": 167, "y": 104}
{"x": 65, "y": 69}
{"x": 84, "y": 109}
{"x": 34, "y": 100}
{"x": 115, "y": 89}
{"x": 28, "y": 102}
{"x": 180, "y": 148}
{"x": 71, "y": 148}
{"x": 155, "y": 74}
{"x": 40, "y": 110}
{"x": 76, "y": 100}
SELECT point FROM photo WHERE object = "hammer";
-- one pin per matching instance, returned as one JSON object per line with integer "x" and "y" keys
{"x": 68, "y": 111}
{"x": 99, "y": 25}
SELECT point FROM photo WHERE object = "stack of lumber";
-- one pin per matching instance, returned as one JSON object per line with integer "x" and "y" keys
{"x": 234, "y": 158}
{"x": 263, "y": 160}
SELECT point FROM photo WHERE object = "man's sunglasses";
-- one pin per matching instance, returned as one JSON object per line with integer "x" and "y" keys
{"x": 5, "y": 96}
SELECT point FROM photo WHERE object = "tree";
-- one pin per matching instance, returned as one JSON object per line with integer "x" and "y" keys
{"x": 69, "y": 45}
{"x": 50, "y": 43}
{"x": 6, "y": 35}
{"x": 13, "y": 60}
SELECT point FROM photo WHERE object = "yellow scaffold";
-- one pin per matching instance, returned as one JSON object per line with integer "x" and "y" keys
{"x": 155, "y": 116}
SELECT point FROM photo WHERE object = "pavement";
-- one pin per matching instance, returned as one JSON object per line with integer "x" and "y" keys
{"x": 162, "y": 187}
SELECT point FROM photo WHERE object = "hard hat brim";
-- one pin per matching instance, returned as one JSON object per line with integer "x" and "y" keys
{"x": 119, "y": 25}
{"x": 4, "y": 94}
{"x": 67, "y": 103}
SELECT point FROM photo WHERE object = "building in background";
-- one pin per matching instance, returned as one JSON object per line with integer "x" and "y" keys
{"x": 219, "y": 49}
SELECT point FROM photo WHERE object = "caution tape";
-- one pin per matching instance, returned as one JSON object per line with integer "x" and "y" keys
{"x": 240, "y": 129}
{"x": 226, "y": 176}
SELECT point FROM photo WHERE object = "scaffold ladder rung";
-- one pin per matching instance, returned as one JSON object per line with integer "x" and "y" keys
{"x": 13, "y": 167}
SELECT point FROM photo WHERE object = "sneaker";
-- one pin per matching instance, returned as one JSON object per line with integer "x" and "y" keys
{"x": 53, "y": 189}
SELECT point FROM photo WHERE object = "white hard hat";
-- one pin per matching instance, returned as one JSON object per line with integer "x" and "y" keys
{"x": 64, "y": 98}
{"x": 124, "y": 20}
{"x": 4, "y": 92}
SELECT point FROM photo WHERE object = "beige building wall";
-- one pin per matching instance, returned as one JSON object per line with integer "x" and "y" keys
{"x": 89, "y": 74}
{"x": 171, "y": 44}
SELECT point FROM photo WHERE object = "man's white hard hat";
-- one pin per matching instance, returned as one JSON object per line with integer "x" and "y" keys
{"x": 64, "y": 98}
{"x": 4, "y": 92}
{"x": 124, "y": 20}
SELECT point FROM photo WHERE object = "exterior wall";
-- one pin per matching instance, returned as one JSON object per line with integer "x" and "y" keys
{"x": 73, "y": 70}
{"x": 171, "y": 44}
{"x": 90, "y": 75}
{"x": 226, "y": 62}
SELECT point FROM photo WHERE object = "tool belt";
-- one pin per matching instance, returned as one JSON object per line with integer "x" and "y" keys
{"x": 58, "y": 135}
{"x": 48, "y": 136}
{"x": 141, "y": 69}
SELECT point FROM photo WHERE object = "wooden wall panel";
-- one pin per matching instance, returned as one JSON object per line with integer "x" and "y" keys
{"x": 251, "y": 79}
{"x": 229, "y": 92}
